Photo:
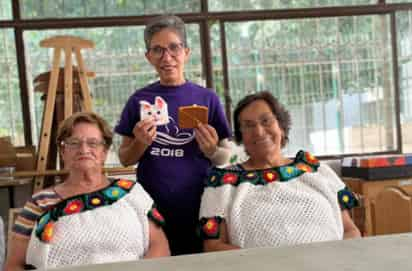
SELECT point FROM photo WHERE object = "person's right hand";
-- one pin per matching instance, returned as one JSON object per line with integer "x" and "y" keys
{"x": 145, "y": 131}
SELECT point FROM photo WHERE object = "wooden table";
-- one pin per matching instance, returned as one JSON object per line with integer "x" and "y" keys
{"x": 389, "y": 252}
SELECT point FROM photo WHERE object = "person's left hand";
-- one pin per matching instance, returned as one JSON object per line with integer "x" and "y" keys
{"x": 207, "y": 138}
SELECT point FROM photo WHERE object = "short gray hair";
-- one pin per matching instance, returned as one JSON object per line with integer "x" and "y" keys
{"x": 161, "y": 22}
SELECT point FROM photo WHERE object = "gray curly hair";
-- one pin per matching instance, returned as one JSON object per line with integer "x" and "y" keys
{"x": 161, "y": 22}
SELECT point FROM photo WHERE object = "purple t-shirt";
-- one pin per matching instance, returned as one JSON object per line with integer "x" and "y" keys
{"x": 173, "y": 168}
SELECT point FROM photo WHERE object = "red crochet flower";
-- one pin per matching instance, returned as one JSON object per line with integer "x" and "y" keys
{"x": 211, "y": 227}
{"x": 126, "y": 184}
{"x": 311, "y": 159}
{"x": 270, "y": 176}
{"x": 229, "y": 178}
{"x": 48, "y": 232}
{"x": 304, "y": 167}
{"x": 73, "y": 207}
{"x": 157, "y": 215}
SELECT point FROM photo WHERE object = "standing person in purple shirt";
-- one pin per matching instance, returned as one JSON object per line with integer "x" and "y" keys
{"x": 172, "y": 162}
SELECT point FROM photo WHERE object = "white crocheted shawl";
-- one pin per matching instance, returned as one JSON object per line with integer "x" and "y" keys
{"x": 302, "y": 210}
{"x": 116, "y": 232}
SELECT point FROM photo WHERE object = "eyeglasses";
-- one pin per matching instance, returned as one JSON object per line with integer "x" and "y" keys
{"x": 75, "y": 143}
{"x": 249, "y": 126}
{"x": 174, "y": 49}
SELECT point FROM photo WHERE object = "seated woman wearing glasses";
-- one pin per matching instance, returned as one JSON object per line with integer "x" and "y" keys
{"x": 271, "y": 200}
{"x": 88, "y": 218}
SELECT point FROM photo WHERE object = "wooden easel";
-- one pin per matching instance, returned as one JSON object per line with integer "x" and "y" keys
{"x": 69, "y": 45}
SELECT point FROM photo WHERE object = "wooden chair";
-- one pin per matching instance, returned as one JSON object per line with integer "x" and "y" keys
{"x": 391, "y": 211}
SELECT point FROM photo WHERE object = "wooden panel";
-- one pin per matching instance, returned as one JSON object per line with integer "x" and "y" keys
{"x": 392, "y": 211}
{"x": 87, "y": 99}
{"x": 370, "y": 190}
{"x": 47, "y": 120}
{"x": 63, "y": 41}
{"x": 7, "y": 153}
{"x": 68, "y": 83}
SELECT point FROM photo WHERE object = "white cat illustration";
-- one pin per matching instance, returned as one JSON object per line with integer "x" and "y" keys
{"x": 165, "y": 135}
{"x": 158, "y": 111}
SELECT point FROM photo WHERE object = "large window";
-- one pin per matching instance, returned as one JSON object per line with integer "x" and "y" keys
{"x": 333, "y": 74}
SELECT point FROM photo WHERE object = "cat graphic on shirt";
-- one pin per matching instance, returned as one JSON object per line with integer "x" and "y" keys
{"x": 171, "y": 134}
{"x": 158, "y": 111}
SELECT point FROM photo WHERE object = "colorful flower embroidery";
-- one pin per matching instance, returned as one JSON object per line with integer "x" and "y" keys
{"x": 80, "y": 203}
{"x": 48, "y": 232}
{"x": 270, "y": 176}
{"x": 289, "y": 172}
{"x": 43, "y": 220}
{"x": 250, "y": 176}
{"x": 156, "y": 217}
{"x": 346, "y": 199}
{"x": 303, "y": 162}
{"x": 213, "y": 180}
{"x": 229, "y": 178}
{"x": 125, "y": 184}
{"x": 96, "y": 200}
{"x": 311, "y": 159}
{"x": 114, "y": 193}
{"x": 304, "y": 167}
{"x": 74, "y": 206}
{"x": 209, "y": 227}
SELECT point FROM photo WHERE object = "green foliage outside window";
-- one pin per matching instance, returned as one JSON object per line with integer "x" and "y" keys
{"x": 5, "y": 10}
{"x": 11, "y": 123}
{"x": 99, "y": 8}
{"x": 231, "y": 5}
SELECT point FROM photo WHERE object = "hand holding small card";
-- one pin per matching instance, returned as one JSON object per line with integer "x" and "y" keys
{"x": 191, "y": 116}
